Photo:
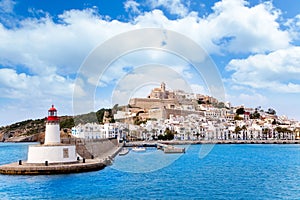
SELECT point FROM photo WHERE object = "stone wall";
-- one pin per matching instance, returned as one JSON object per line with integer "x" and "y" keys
{"x": 89, "y": 148}
{"x": 147, "y": 104}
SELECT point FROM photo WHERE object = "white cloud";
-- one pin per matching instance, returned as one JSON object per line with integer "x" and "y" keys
{"x": 15, "y": 86}
{"x": 240, "y": 28}
{"x": 50, "y": 52}
{"x": 199, "y": 89}
{"x": 131, "y": 5}
{"x": 232, "y": 27}
{"x": 136, "y": 59}
{"x": 251, "y": 100}
{"x": 277, "y": 71}
{"x": 7, "y": 6}
{"x": 294, "y": 27}
{"x": 176, "y": 7}
{"x": 44, "y": 46}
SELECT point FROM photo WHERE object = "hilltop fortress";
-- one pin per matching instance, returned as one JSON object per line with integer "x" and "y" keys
{"x": 162, "y": 103}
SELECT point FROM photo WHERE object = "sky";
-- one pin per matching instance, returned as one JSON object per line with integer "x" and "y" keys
{"x": 45, "y": 47}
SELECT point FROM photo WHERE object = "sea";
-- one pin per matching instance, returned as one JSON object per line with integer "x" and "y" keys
{"x": 225, "y": 171}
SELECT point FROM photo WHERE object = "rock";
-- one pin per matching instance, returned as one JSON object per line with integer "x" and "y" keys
{"x": 31, "y": 138}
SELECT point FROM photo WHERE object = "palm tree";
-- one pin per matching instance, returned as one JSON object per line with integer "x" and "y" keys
{"x": 197, "y": 135}
{"x": 244, "y": 128}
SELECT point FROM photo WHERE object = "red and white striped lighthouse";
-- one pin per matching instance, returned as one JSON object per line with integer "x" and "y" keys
{"x": 52, "y": 135}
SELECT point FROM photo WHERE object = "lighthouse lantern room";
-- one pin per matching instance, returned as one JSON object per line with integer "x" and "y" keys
{"x": 52, "y": 134}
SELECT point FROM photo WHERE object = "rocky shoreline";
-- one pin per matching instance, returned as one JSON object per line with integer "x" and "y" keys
{"x": 30, "y": 138}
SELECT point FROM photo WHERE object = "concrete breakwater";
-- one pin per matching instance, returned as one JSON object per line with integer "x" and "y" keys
{"x": 94, "y": 148}
{"x": 94, "y": 155}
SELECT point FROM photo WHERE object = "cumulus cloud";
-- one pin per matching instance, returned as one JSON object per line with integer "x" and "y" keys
{"x": 7, "y": 6}
{"x": 276, "y": 71}
{"x": 44, "y": 46}
{"x": 252, "y": 99}
{"x": 240, "y": 28}
{"x": 294, "y": 27}
{"x": 132, "y": 6}
{"x": 50, "y": 51}
{"x": 16, "y": 86}
{"x": 176, "y": 7}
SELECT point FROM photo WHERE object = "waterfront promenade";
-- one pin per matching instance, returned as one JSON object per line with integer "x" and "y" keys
{"x": 184, "y": 142}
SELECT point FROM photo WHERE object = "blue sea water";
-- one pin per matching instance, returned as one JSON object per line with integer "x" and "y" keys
{"x": 227, "y": 172}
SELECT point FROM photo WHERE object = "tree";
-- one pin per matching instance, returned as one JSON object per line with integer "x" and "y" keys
{"x": 237, "y": 129}
{"x": 271, "y": 111}
{"x": 169, "y": 135}
{"x": 67, "y": 123}
{"x": 237, "y": 117}
{"x": 240, "y": 111}
{"x": 255, "y": 115}
{"x": 220, "y": 105}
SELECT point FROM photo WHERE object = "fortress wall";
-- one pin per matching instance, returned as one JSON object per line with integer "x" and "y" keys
{"x": 165, "y": 113}
{"x": 152, "y": 103}
{"x": 184, "y": 113}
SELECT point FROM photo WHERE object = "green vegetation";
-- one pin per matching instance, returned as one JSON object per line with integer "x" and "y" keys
{"x": 67, "y": 123}
{"x": 24, "y": 128}
{"x": 237, "y": 117}
{"x": 255, "y": 115}
{"x": 94, "y": 117}
{"x": 271, "y": 111}
{"x": 31, "y": 127}
{"x": 282, "y": 130}
{"x": 240, "y": 111}
{"x": 168, "y": 135}
{"x": 237, "y": 129}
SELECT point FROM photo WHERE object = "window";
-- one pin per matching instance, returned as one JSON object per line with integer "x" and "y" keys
{"x": 65, "y": 152}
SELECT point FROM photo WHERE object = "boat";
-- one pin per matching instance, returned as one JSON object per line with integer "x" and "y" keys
{"x": 139, "y": 149}
{"x": 123, "y": 152}
{"x": 171, "y": 149}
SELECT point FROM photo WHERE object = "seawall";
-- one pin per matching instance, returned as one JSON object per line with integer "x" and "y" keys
{"x": 183, "y": 142}
{"x": 101, "y": 154}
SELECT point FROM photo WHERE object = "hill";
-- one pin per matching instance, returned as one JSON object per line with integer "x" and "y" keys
{"x": 33, "y": 130}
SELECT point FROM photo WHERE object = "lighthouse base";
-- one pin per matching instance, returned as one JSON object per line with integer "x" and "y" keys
{"x": 52, "y": 154}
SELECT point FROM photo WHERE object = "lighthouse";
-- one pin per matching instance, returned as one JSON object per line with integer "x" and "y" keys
{"x": 52, "y": 134}
{"x": 52, "y": 151}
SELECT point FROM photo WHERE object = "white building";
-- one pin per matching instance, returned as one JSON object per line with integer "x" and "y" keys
{"x": 97, "y": 131}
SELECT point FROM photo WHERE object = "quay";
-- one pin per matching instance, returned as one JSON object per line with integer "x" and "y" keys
{"x": 161, "y": 144}
{"x": 182, "y": 142}
{"x": 164, "y": 143}
{"x": 167, "y": 148}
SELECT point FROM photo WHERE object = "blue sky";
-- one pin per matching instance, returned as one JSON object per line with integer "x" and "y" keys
{"x": 254, "y": 44}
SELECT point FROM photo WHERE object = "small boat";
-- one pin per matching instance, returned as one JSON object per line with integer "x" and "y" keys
{"x": 123, "y": 152}
{"x": 139, "y": 149}
{"x": 171, "y": 149}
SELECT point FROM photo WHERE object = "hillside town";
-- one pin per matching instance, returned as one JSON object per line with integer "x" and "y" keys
{"x": 177, "y": 115}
